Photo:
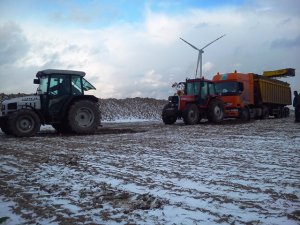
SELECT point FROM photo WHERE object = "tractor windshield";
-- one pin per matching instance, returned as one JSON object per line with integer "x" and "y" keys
{"x": 227, "y": 88}
{"x": 42, "y": 89}
{"x": 193, "y": 88}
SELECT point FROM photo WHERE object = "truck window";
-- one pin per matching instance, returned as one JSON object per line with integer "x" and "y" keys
{"x": 227, "y": 88}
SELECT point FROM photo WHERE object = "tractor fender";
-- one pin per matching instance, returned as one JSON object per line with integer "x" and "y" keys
{"x": 77, "y": 98}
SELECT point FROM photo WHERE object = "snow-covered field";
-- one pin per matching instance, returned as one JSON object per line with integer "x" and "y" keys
{"x": 148, "y": 173}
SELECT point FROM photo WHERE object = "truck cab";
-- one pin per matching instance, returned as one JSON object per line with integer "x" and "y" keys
{"x": 249, "y": 95}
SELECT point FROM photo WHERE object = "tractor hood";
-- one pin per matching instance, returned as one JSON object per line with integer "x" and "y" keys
{"x": 10, "y": 105}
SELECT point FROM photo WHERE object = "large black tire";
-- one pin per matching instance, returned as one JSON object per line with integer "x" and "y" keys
{"x": 245, "y": 114}
{"x": 215, "y": 111}
{"x": 167, "y": 116}
{"x": 5, "y": 129}
{"x": 265, "y": 113}
{"x": 191, "y": 114}
{"x": 24, "y": 123}
{"x": 84, "y": 117}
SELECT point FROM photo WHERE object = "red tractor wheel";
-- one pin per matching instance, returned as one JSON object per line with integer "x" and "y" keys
{"x": 191, "y": 114}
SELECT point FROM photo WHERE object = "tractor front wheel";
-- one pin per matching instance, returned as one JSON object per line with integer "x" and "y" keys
{"x": 24, "y": 123}
{"x": 191, "y": 114}
{"x": 84, "y": 117}
{"x": 169, "y": 114}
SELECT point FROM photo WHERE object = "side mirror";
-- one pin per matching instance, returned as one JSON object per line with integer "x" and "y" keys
{"x": 36, "y": 81}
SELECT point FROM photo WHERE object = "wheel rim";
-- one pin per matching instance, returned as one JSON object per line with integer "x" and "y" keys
{"x": 218, "y": 112}
{"x": 25, "y": 124}
{"x": 192, "y": 114}
{"x": 84, "y": 117}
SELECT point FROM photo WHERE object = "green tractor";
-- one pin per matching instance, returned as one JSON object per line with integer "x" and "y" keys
{"x": 60, "y": 101}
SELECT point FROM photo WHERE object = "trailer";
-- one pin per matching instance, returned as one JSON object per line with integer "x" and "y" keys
{"x": 250, "y": 95}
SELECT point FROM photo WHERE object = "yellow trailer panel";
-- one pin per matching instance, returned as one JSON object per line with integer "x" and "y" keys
{"x": 288, "y": 72}
{"x": 273, "y": 91}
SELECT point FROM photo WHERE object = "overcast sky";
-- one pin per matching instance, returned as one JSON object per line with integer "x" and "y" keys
{"x": 131, "y": 48}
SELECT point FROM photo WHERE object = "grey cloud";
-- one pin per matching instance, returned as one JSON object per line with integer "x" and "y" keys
{"x": 13, "y": 43}
{"x": 286, "y": 43}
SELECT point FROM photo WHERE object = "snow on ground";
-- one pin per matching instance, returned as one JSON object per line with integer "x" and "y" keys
{"x": 150, "y": 173}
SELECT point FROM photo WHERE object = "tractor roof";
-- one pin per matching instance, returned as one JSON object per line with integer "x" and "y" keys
{"x": 62, "y": 72}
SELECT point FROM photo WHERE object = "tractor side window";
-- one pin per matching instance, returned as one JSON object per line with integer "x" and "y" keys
{"x": 87, "y": 85}
{"x": 59, "y": 85}
{"x": 204, "y": 90}
{"x": 76, "y": 85}
{"x": 211, "y": 88}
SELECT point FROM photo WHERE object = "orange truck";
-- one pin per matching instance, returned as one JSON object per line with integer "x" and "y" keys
{"x": 250, "y": 95}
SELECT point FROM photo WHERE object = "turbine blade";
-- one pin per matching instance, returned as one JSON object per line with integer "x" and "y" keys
{"x": 190, "y": 44}
{"x": 213, "y": 41}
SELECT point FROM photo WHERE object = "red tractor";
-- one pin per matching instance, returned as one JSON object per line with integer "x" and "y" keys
{"x": 198, "y": 100}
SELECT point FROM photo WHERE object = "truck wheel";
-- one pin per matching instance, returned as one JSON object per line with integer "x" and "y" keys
{"x": 265, "y": 113}
{"x": 24, "y": 123}
{"x": 245, "y": 114}
{"x": 84, "y": 117}
{"x": 168, "y": 117}
{"x": 191, "y": 114}
{"x": 215, "y": 112}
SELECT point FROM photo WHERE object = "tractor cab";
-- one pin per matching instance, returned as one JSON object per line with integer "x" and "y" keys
{"x": 60, "y": 82}
{"x": 200, "y": 90}
{"x": 57, "y": 88}
{"x": 197, "y": 100}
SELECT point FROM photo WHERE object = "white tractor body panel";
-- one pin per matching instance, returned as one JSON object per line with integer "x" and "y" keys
{"x": 14, "y": 104}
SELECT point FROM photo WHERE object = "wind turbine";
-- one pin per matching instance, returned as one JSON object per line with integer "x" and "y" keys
{"x": 199, "y": 61}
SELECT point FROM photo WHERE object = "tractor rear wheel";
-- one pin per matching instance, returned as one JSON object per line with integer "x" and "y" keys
{"x": 215, "y": 111}
{"x": 84, "y": 117}
{"x": 191, "y": 114}
{"x": 24, "y": 123}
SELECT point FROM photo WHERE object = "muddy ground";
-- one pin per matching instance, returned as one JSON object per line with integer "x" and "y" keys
{"x": 149, "y": 173}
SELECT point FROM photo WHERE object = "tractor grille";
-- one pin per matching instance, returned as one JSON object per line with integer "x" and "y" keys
{"x": 12, "y": 106}
{"x": 173, "y": 99}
